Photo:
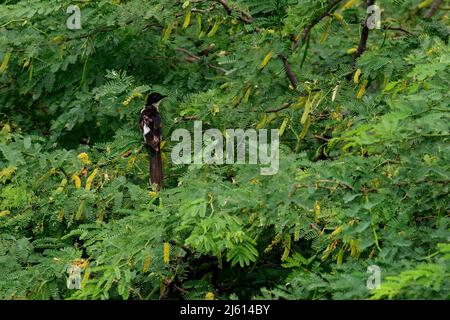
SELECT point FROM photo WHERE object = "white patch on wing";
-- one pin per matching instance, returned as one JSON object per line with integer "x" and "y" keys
{"x": 146, "y": 129}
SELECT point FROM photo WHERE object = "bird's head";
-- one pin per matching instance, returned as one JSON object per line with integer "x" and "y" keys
{"x": 154, "y": 99}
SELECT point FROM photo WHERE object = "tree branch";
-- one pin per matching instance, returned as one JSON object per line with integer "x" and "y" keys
{"x": 433, "y": 9}
{"x": 364, "y": 34}
{"x": 289, "y": 73}
{"x": 315, "y": 21}
{"x": 192, "y": 58}
{"x": 398, "y": 29}
{"x": 247, "y": 18}
{"x": 285, "y": 106}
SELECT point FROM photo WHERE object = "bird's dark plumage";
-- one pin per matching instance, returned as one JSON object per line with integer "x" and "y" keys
{"x": 151, "y": 127}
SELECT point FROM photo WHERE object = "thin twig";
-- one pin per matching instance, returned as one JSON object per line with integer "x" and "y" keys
{"x": 321, "y": 138}
{"x": 315, "y": 21}
{"x": 285, "y": 106}
{"x": 398, "y": 29}
{"x": 193, "y": 57}
{"x": 247, "y": 18}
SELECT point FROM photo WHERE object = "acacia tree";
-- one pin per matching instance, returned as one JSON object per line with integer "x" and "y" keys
{"x": 364, "y": 167}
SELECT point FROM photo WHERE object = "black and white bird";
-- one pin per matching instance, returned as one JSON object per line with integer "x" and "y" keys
{"x": 151, "y": 128}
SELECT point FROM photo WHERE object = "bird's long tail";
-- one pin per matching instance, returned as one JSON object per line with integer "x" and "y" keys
{"x": 156, "y": 170}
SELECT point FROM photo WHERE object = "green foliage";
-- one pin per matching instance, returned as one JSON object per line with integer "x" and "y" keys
{"x": 364, "y": 155}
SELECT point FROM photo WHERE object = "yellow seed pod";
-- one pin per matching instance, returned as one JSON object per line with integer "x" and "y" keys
{"x": 7, "y": 173}
{"x": 4, "y": 213}
{"x": 338, "y": 16}
{"x": 247, "y": 94}
{"x": 77, "y": 181}
{"x": 6, "y": 129}
{"x": 271, "y": 117}
{"x": 349, "y": 4}
{"x": 306, "y": 111}
{"x": 84, "y": 263}
{"x": 317, "y": 210}
{"x": 167, "y": 32}
{"x": 362, "y": 89}
{"x": 214, "y": 29}
{"x": 199, "y": 24}
{"x": 166, "y": 252}
{"x": 146, "y": 264}
{"x": 235, "y": 101}
{"x": 90, "y": 179}
{"x": 337, "y": 231}
{"x": 225, "y": 85}
{"x": 215, "y": 109}
{"x": 101, "y": 216}
{"x": 266, "y": 60}
{"x": 424, "y": 4}
{"x": 5, "y": 62}
{"x": 352, "y": 50}
{"x": 187, "y": 19}
{"x": 131, "y": 162}
{"x": 262, "y": 122}
{"x": 297, "y": 232}
{"x": 209, "y": 296}
{"x": 325, "y": 34}
{"x": 305, "y": 128}
{"x": 283, "y": 127}
{"x": 287, "y": 247}
{"x": 354, "y": 248}
{"x": 153, "y": 194}
{"x": 58, "y": 39}
{"x": 274, "y": 242}
{"x": 356, "y": 76}
{"x": 340, "y": 256}
{"x": 61, "y": 215}
{"x": 80, "y": 211}
{"x": 84, "y": 157}
{"x": 335, "y": 91}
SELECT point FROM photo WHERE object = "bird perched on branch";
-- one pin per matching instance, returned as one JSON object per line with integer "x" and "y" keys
{"x": 151, "y": 127}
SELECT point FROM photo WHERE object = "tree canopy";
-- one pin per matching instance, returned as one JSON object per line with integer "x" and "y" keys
{"x": 363, "y": 119}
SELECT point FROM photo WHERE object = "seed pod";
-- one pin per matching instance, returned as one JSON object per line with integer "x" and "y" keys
{"x": 362, "y": 89}
{"x": 166, "y": 252}
{"x": 266, "y": 60}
